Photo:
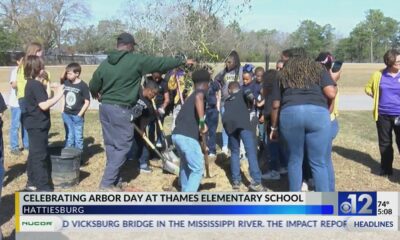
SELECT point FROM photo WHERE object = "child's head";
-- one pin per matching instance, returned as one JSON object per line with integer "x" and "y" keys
{"x": 156, "y": 76}
{"x": 233, "y": 87}
{"x": 270, "y": 75}
{"x": 259, "y": 74}
{"x": 150, "y": 89}
{"x": 33, "y": 67}
{"x": 232, "y": 61}
{"x": 73, "y": 71}
{"x": 247, "y": 78}
{"x": 201, "y": 78}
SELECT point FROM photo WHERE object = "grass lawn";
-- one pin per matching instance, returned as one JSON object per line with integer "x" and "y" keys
{"x": 355, "y": 156}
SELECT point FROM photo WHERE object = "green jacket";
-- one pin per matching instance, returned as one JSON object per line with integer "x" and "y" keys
{"x": 118, "y": 78}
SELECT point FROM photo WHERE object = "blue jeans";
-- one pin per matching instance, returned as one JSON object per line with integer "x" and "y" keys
{"x": 74, "y": 130}
{"x": 140, "y": 150}
{"x": 192, "y": 162}
{"x": 247, "y": 137}
{"x": 306, "y": 126}
{"x": 15, "y": 125}
{"x": 224, "y": 134}
{"x": 331, "y": 170}
{"x": 261, "y": 133}
{"x": 212, "y": 124}
{"x": 153, "y": 129}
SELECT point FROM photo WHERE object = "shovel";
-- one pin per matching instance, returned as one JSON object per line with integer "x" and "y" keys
{"x": 169, "y": 150}
{"x": 167, "y": 156}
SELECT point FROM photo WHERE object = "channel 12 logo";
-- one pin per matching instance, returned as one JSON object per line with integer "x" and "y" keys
{"x": 357, "y": 204}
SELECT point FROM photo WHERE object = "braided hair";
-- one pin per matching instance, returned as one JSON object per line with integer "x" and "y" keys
{"x": 300, "y": 72}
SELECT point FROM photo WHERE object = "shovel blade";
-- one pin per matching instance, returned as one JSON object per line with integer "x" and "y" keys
{"x": 169, "y": 155}
{"x": 171, "y": 167}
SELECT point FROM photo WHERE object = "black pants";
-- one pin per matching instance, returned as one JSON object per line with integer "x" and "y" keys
{"x": 385, "y": 126}
{"x": 39, "y": 164}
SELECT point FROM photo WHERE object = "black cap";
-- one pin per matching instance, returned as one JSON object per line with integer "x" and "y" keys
{"x": 126, "y": 38}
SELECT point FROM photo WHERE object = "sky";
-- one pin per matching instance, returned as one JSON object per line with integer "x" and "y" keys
{"x": 284, "y": 15}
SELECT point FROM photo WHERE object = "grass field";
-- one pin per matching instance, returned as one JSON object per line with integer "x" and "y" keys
{"x": 353, "y": 79}
{"x": 355, "y": 157}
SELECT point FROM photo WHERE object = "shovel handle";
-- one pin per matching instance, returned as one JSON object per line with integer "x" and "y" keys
{"x": 205, "y": 152}
{"x": 148, "y": 142}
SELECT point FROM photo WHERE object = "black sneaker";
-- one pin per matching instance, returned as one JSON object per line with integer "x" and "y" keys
{"x": 256, "y": 187}
{"x": 16, "y": 152}
{"x": 236, "y": 185}
{"x": 386, "y": 173}
{"x": 146, "y": 170}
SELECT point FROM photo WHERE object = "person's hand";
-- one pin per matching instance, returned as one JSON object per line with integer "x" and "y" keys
{"x": 54, "y": 85}
{"x": 204, "y": 130}
{"x": 161, "y": 111}
{"x": 261, "y": 119}
{"x": 274, "y": 135}
{"x": 63, "y": 76}
{"x": 335, "y": 75}
{"x": 59, "y": 92}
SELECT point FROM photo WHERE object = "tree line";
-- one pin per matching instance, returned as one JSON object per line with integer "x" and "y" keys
{"x": 204, "y": 29}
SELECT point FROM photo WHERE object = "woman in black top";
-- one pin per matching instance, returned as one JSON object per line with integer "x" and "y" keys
{"x": 37, "y": 122}
{"x": 302, "y": 99}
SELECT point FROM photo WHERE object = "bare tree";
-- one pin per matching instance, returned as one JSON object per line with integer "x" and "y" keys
{"x": 43, "y": 20}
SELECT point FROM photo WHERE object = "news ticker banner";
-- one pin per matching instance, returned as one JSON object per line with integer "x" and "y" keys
{"x": 341, "y": 211}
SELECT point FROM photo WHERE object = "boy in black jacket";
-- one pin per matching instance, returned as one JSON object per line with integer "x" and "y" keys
{"x": 236, "y": 121}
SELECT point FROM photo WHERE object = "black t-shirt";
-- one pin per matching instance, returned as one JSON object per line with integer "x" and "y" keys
{"x": 36, "y": 118}
{"x": 299, "y": 96}
{"x": 3, "y": 107}
{"x": 187, "y": 122}
{"x": 162, "y": 89}
{"x": 75, "y": 95}
{"x": 236, "y": 115}
{"x": 268, "y": 84}
{"x": 148, "y": 113}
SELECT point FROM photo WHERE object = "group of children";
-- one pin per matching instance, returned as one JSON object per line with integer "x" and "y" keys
{"x": 238, "y": 95}
{"x": 31, "y": 97}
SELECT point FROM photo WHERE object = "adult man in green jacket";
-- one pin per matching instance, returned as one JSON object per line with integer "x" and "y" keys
{"x": 115, "y": 83}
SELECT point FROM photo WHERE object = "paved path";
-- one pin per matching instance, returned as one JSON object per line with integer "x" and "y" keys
{"x": 346, "y": 102}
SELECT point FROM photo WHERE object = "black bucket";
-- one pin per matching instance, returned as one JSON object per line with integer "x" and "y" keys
{"x": 65, "y": 167}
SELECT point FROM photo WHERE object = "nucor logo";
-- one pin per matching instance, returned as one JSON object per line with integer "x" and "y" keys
{"x": 36, "y": 223}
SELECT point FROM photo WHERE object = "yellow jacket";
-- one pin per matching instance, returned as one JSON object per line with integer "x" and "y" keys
{"x": 372, "y": 90}
{"x": 183, "y": 85}
{"x": 21, "y": 81}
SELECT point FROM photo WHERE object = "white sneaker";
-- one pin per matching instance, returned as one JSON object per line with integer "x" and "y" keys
{"x": 283, "y": 170}
{"x": 212, "y": 155}
{"x": 304, "y": 187}
{"x": 225, "y": 151}
{"x": 158, "y": 145}
{"x": 271, "y": 175}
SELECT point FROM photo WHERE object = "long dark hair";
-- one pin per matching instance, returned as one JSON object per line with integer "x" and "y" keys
{"x": 300, "y": 72}
{"x": 236, "y": 58}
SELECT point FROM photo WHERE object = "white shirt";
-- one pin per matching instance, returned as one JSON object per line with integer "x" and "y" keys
{"x": 12, "y": 100}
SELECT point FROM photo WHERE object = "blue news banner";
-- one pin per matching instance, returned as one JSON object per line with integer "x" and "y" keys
{"x": 134, "y": 212}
